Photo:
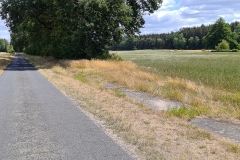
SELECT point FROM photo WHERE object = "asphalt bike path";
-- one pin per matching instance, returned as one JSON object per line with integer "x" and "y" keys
{"x": 38, "y": 122}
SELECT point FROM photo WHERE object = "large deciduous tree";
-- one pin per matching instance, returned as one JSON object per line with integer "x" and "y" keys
{"x": 220, "y": 31}
{"x": 73, "y": 28}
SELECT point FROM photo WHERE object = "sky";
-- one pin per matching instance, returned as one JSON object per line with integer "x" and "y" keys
{"x": 175, "y": 14}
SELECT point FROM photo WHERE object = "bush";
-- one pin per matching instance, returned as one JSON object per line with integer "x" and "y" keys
{"x": 224, "y": 45}
{"x": 234, "y": 50}
{"x": 10, "y": 49}
{"x": 115, "y": 57}
{"x": 223, "y": 50}
{"x": 238, "y": 47}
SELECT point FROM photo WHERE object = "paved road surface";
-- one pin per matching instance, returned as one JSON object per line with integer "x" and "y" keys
{"x": 227, "y": 130}
{"x": 38, "y": 122}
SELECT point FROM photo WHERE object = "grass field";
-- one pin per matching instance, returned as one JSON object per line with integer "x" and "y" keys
{"x": 209, "y": 82}
{"x": 216, "y": 70}
{"x": 148, "y": 133}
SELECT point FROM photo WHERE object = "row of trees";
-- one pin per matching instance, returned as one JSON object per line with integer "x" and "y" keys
{"x": 72, "y": 28}
{"x": 207, "y": 37}
{"x": 5, "y": 46}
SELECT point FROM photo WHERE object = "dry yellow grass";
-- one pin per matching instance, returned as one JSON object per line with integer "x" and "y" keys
{"x": 5, "y": 59}
{"x": 208, "y": 101}
{"x": 148, "y": 133}
{"x": 122, "y": 72}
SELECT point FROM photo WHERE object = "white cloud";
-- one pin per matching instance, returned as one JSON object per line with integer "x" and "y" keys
{"x": 176, "y": 14}
{"x": 168, "y": 4}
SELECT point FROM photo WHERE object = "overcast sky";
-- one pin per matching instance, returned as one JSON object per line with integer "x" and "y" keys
{"x": 175, "y": 14}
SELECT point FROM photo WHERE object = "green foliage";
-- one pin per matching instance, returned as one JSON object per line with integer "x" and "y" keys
{"x": 185, "y": 112}
{"x": 179, "y": 41}
{"x": 219, "y": 31}
{"x": 3, "y": 45}
{"x": 237, "y": 31}
{"x": 165, "y": 40}
{"x": 234, "y": 50}
{"x": 224, "y": 45}
{"x": 10, "y": 49}
{"x": 193, "y": 42}
{"x": 224, "y": 50}
{"x": 81, "y": 78}
{"x": 73, "y": 29}
{"x": 115, "y": 57}
{"x": 186, "y": 38}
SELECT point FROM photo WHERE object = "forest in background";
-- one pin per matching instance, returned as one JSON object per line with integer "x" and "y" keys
{"x": 190, "y": 38}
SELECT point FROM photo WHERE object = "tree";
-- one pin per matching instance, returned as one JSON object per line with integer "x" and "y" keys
{"x": 3, "y": 45}
{"x": 237, "y": 31}
{"x": 73, "y": 28}
{"x": 219, "y": 31}
{"x": 191, "y": 43}
{"x": 196, "y": 42}
{"x": 179, "y": 41}
{"x": 160, "y": 43}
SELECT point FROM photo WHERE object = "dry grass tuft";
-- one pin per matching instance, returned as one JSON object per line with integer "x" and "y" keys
{"x": 121, "y": 72}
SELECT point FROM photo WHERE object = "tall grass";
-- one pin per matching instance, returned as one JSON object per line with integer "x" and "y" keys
{"x": 193, "y": 78}
{"x": 216, "y": 70}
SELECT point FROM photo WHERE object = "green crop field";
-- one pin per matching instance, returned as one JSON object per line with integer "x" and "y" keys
{"x": 216, "y": 70}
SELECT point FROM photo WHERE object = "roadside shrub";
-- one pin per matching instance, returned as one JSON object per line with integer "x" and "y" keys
{"x": 234, "y": 50}
{"x": 10, "y": 49}
{"x": 224, "y": 45}
{"x": 115, "y": 57}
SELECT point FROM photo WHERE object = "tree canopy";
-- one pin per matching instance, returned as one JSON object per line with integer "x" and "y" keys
{"x": 220, "y": 31}
{"x": 3, "y": 45}
{"x": 201, "y": 37}
{"x": 73, "y": 28}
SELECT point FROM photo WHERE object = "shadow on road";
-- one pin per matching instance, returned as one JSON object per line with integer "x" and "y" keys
{"x": 19, "y": 64}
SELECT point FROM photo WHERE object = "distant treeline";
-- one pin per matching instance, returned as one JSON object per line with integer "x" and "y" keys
{"x": 3, "y": 45}
{"x": 186, "y": 38}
